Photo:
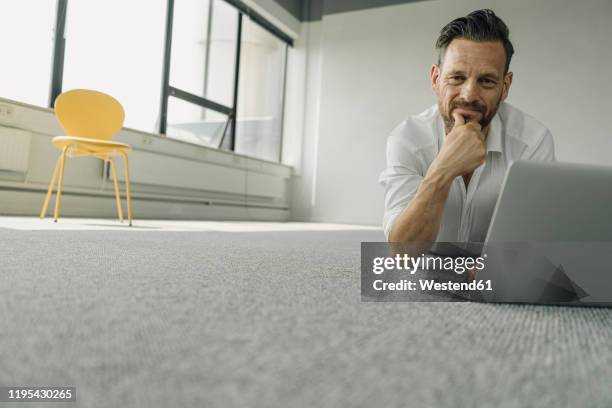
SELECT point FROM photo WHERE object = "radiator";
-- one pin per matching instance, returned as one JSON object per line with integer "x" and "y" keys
{"x": 14, "y": 149}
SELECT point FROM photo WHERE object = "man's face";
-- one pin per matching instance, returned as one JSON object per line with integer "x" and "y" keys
{"x": 471, "y": 81}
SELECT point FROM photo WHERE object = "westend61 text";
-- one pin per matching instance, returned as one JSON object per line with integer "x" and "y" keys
{"x": 429, "y": 284}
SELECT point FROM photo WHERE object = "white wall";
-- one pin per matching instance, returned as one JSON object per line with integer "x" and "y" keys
{"x": 374, "y": 68}
{"x": 301, "y": 118}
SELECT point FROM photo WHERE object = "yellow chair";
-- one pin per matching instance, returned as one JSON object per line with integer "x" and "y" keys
{"x": 90, "y": 120}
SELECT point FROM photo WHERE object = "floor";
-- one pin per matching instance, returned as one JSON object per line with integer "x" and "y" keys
{"x": 215, "y": 314}
{"x": 105, "y": 224}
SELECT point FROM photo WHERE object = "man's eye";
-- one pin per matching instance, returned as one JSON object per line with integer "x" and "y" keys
{"x": 488, "y": 82}
{"x": 456, "y": 78}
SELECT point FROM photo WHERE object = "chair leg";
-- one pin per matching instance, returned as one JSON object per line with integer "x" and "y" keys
{"x": 117, "y": 195}
{"x": 43, "y": 212}
{"x": 127, "y": 188}
{"x": 59, "y": 184}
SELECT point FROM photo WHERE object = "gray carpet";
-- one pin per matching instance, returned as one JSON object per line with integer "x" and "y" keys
{"x": 192, "y": 319}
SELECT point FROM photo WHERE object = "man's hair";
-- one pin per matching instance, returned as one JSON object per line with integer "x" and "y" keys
{"x": 479, "y": 25}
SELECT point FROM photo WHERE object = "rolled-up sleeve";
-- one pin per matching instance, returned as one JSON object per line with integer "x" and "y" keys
{"x": 401, "y": 179}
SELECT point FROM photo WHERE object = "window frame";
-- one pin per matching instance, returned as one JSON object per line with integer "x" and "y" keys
{"x": 167, "y": 89}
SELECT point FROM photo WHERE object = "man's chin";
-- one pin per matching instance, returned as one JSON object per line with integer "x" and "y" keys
{"x": 485, "y": 121}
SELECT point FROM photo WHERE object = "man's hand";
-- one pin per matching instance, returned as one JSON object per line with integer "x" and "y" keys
{"x": 463, "y": 150}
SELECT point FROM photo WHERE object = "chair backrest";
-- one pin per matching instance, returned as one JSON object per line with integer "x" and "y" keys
{"x": 87, "y": 113}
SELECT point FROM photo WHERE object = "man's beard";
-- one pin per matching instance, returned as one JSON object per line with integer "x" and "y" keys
{"x": 485, "y": 120}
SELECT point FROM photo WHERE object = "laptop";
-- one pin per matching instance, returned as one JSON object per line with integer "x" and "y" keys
{"x": 550, "y": 237}
{"x": 554, "y": 202}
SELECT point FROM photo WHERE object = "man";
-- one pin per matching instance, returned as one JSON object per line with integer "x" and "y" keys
{"x": 445, "y": 166}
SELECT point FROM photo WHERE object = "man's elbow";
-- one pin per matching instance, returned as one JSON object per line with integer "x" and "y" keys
{"x": 395, "y": 237}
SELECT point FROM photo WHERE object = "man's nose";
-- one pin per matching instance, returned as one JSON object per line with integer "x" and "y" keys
{"x": 469, "y": 91}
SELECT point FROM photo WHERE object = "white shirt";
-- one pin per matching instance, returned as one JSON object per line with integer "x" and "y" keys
{"x": 413, "y": 145}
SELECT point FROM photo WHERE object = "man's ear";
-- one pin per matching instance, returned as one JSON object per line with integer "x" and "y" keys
{"x": 507, "y": 83}
{"x": 434, "y": 75}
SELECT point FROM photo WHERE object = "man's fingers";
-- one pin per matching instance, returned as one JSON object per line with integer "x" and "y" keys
{"x": 478, "y": 129}
{"x": 475, "y": 124}
{"x": 459, "y": 119}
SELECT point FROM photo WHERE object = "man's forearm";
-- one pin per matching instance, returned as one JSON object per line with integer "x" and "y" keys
{"x": 420, "y": 221}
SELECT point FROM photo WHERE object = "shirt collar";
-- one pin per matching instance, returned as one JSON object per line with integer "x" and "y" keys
{"x": 494, "y": 139}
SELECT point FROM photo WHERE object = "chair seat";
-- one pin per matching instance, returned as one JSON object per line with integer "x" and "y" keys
{"x": 84, "y": 145}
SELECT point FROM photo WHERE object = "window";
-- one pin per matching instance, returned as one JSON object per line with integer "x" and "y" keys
{"x": 195, "y": 124}
{"x": 260, "y": 93}
{"x": 204, "y": 35}
{"x": 209, "y": 72}
{"x": 202, "y": 70}
{"x": 116, "y": 47}
{"x": 27, "y": 50}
